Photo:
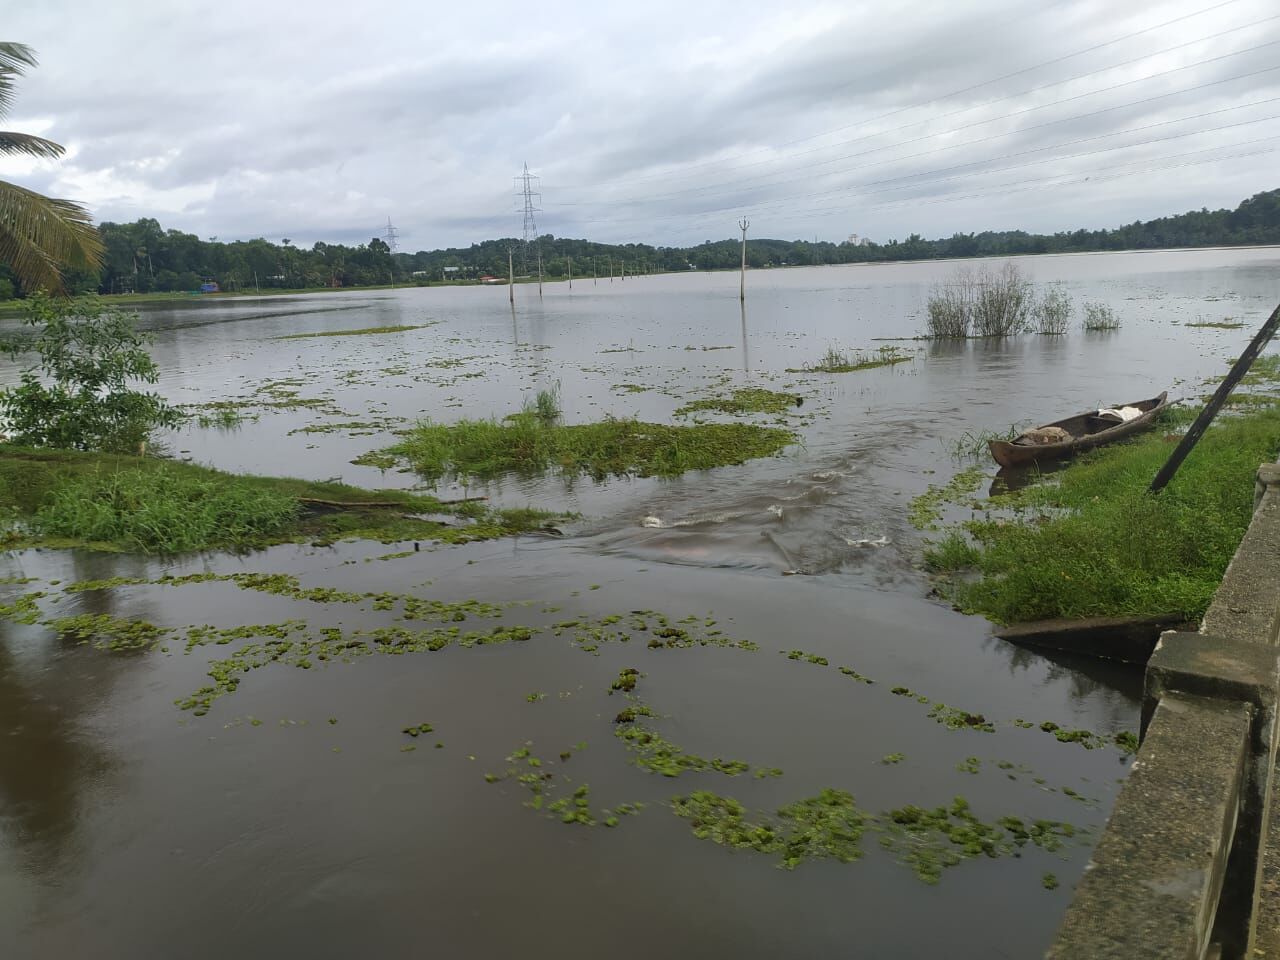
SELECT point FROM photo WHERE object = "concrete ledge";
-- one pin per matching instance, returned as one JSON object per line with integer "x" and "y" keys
{"x": 1217, "y": 668}
{"x": 1151, "y": 888}
{"x": 1127, "y": 639}
{"x": 1247, "y": 605}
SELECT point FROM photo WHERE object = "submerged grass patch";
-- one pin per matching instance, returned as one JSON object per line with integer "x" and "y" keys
{"x": 353, "y": 333}
{"x": 64, "y": 498}
{"x": 1095, "y": 543}
{"x": 838, "y": 361}
{"x": 746, "y": 400}
{"x": 527, "y": 445}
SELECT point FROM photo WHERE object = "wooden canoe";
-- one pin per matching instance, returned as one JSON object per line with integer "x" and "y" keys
{"x": 1088, "y": 430}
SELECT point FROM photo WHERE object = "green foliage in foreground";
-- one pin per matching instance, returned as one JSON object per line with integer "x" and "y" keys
{"x": 115, "y": 502}
{"x": 525, "y": 444}
{"x": 1096, "y": 544}
{"x": 78, "y": 395}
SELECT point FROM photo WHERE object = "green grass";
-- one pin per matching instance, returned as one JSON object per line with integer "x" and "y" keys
{"x": 1094, "y": 543}
{"x": 746, "y": 400}
{"x": 524, "y": 444}
{"x": 836, "y": 361}
{"x": 352, "y": 333}
{"x": 122, "y": 503}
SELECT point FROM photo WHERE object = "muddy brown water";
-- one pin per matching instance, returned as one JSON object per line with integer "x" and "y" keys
{"x": 131, "y": 828}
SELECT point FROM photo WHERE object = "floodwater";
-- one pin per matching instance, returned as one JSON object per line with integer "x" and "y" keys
{"x": 288, "y": 820}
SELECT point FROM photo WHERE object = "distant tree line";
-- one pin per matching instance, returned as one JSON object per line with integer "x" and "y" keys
{"x": 142, "y": 257}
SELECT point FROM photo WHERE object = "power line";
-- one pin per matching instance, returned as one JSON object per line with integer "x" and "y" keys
{"x": 955, "y": 167}
{"x": 1014, "y": 96}
{"x": 924, "y": 103}
{"x": 738, "y": 185}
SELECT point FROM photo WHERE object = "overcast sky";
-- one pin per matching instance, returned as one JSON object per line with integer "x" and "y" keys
{"x": 657, "y": 122}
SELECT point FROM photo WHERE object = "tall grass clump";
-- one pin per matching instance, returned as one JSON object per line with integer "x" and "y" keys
{"x": 1002, "y": 305}
{"x": 1095, "y": 543}
{"x": 163, "y": 511}
{"x": 1053, "y": 312}
{"x": 1100, "y": 316}
{"x": 545, "y": 406}
{"x": 949, "y": 309}
{"x": 982, "y": 303}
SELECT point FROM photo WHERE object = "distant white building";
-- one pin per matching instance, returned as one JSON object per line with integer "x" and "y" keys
{"x": 857, "y": 241}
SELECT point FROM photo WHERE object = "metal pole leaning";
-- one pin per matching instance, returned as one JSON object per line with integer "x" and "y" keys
{"x": 1238, "y": 370}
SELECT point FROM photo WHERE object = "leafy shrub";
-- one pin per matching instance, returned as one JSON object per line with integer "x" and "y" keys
{"x": 1053, "y": 312}
{"x": 78, "y": 395}
{"x": 985, "y": 303}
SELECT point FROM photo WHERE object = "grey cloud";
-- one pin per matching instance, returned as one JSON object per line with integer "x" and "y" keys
{"x": 246, "y": 119}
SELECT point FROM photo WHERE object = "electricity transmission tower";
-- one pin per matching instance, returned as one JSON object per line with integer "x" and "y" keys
{"x": 529, "y": 196}
{"x": 390, "y": 238}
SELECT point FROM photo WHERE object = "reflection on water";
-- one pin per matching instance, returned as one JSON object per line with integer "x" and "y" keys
{"x": 264, "y": 828}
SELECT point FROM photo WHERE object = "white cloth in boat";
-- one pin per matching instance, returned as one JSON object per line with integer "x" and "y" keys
{"x": 1122, "y": 414}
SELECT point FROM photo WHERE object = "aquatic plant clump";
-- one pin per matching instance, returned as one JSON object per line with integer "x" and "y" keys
{"x": 982, "y": 303}
{"x": 838, "y": 361}
{"x": 1100, "y": 316}
{"x": 827, "y": 826}
{"x": 1052, "y": 312}
{"x": 353, "y": 333}
{"x": 744, "y": 401}
{"x": 524, "y": 444}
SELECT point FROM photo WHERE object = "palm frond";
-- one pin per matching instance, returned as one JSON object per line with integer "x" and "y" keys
{"x": 32, "y": 146}
{"x": 39, "y": 236}
{"x": 14, "y": 60}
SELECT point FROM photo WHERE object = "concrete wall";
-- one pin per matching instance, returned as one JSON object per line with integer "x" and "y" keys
{"x": 1188, "y": 865}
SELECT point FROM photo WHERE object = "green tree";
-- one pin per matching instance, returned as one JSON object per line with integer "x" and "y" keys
{"x": 39, "y": 236}
{"x": 78, "y": 395}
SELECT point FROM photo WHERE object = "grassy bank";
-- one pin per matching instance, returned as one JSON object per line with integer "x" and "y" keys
{"x": 1090, "y": 541}
{"x": 121, "y": 503}
{"x": 526, "y": 444}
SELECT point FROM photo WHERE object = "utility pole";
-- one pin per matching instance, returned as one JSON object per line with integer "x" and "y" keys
{"x": 595, "y": 270}
{"x": 511, "y": 279}
{"x": 611, "y": 269}
{"x": 539, "y": 273}
{"x": 742, "y": 282}
{"x": 570, "y": 273}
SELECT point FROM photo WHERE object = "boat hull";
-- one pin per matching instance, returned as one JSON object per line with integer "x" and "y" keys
{"x": 1010, "y": 454}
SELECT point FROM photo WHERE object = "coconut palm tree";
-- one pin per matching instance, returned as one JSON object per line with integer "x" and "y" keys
{"x": 39, "y": 236}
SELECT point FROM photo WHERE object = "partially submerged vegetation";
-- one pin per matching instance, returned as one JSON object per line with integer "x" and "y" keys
{"x": 1100, "y": 316}
{"x": 836, "y": 360}
{"x": 526, "y": 444}
{"x": 353, "y": 333}
{"x": 982, "y": 303}
{"x": 65, "y": 498}
{"x": 744, "y": 401}
{"x": 1093, "y": 542}
{"x": 1224, "y": 324}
